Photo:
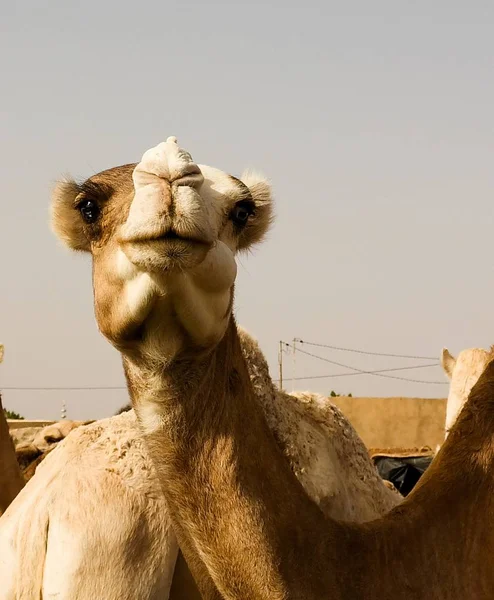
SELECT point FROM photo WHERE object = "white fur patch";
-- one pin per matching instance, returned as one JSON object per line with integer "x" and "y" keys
{"x": 138, "y": 293}
{"x": 150, "y": 418}
{"x": 167, "y": 161}
{"x": 125, "y": 269}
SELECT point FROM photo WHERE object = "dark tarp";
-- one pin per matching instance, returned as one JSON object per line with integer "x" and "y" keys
{"x": 403, "y": 471}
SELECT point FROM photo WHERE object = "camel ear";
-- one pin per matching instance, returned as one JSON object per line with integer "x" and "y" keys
{"x": 66, "y": 221}
{"x": 448, "y": 362}
{"x": 260, "y": 223}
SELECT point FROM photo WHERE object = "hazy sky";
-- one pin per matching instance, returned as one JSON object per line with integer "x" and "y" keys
{"x": 374, "y": 121}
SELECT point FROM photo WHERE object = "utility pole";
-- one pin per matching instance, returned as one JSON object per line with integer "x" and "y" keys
{"x": 63, "y": 413}
{"x": 280, "y": 363}
{"x": 293, "y": 370}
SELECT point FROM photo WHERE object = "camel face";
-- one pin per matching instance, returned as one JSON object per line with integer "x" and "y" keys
{"x": 162, "y": 226}
{"x": 463, "y": 372}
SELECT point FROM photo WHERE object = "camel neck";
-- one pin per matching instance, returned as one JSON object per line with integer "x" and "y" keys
{"x": 247, "y": 527}
{"x": 223, "y": 474}
{"x": 443, "y": 512}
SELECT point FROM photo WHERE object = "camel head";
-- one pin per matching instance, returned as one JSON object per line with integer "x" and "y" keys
{"x": 463, "y": 373}
{"x": 163, "y": 235}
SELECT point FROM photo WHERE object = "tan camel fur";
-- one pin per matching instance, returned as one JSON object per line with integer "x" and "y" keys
{"x": 242, "y": 517}
{"x": 298, "y": 429}
{"x": 246, "y": 526}
{"x": 321, "y": 446}
{"x": 463, "y": 373}
{"x": 11, "y": 481}
{"x": 92, "y": 509}
{"x": 439, "y": 544}
{"x": 163, "y": 275}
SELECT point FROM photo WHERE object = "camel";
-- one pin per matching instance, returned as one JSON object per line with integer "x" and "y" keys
{"x": 321, "y": 446}
{"x": 106, "y": 464}
{"x": 164, "y": 270}
{"x": 28, "y": 468}
{"x": 11, "y": 481}
{"x": 463, "y": 373}
{"x": 91, "y": 508}
{"x": 30, "y": 453}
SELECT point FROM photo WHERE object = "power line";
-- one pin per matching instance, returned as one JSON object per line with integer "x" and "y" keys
{"x": 365, "y": 352}
{"x": 378, "y": 373}
{"x": 368, "y": 373}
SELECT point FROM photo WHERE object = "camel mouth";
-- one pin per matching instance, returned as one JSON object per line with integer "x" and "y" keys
{"x": 168, "y": 250}
{"x": 172, "y": 237}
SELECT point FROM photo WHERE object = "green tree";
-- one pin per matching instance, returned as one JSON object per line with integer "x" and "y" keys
{"x": 10, "y": 414}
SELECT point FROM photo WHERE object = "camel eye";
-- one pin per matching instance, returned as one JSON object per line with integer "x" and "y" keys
{"x": 242, "y": 211}
{"x": 89, "y": 210}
